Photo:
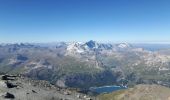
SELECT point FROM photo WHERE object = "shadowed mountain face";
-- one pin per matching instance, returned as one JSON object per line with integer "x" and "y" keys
{"x": 92, "y": 44}
{"x": 83, "y": 65}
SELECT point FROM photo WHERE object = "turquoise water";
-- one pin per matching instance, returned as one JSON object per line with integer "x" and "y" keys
{"x": 106, "y": 89}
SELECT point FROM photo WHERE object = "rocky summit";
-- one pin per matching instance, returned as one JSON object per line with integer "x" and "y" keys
{"x": 22, "y": 88}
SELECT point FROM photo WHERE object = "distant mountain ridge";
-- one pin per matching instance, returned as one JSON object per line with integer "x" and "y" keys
{"x": 93, "y": 45}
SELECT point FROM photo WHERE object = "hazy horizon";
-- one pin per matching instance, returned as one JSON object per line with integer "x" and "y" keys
{"x": 112, "y": 42}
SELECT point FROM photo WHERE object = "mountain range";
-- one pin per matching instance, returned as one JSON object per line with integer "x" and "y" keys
{"x": 87, "y": 64}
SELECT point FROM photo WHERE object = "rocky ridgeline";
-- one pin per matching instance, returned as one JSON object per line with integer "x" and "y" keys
{"x": 22, "y": 88}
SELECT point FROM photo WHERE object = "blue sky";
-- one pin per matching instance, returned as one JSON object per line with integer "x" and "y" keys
{"x": 83, "y": 20}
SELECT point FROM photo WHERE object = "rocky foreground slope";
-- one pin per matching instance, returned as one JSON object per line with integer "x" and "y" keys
{"x": 21, "y": 88}
{"x": 139, "y": 92}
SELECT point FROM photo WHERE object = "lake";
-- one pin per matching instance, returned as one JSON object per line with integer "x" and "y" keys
{"x": 106, "y": 89}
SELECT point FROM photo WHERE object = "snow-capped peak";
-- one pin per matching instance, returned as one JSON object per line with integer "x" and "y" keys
{"x": 75, "y": 47}
{"x": 123, "y": 45}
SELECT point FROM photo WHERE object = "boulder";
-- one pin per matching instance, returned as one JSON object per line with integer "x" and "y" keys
{"x": 9, "y": 96}
{"x": 8, "y": 77}
{"x": 10, "y": 85}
